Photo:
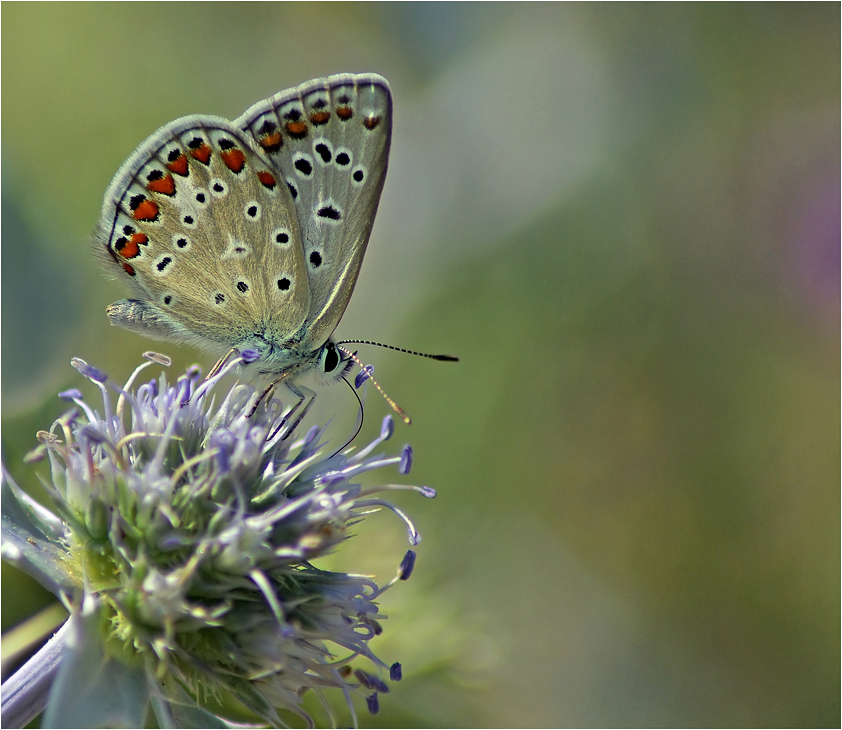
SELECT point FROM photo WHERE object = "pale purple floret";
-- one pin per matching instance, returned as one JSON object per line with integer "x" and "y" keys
{"x": 93, "y": 434}
{"x": 396, "y": 672}
{"x": 406, "y": 460}
{"x": 249, "y": 356}
{"x": 369, "y": 681}
{"x": 225, "y": 443}
{"x": 71, "y": 394}
{"x": 89, "y": 371}
{"x": 373, "y": 703}
{"x": 388, "y": 428}
{"x": 407, "y": 565}
{"x": 364, "y": 374}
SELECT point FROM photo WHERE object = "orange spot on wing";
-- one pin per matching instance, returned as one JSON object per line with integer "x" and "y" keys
{"x": 202, "y": 153}
{"x": 179, "y": 165}
{"x": 371, "y": 122}
{"x": 321, "y": 117}
{"x": 129, "y": 269}
{"x": 267, "y": 179}
{"x": 165, "y": 185}
{"x": 147, "y": 210}
{"x": 234, "y": 159}
{"x": 296, "y": 129}
{"x": 271, "y": 142}
{"x": 344, "y": 113}
{"x": 129, "y": 250}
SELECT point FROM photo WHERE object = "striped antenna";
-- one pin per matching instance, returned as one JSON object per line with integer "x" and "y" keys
{"x": 443, "y": 358}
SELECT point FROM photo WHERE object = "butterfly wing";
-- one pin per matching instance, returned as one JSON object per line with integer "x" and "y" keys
{"x": 329, "y": 141}
{"x": 206, "y": 234}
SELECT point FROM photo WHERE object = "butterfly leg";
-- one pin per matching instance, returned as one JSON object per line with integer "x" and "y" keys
{"x": 219, "y": 365}
{"x": 262, "y": 396}
{"x": 303, "y": 411}
{"x": 301, "y": 398}
{"x": 297, "y": 407}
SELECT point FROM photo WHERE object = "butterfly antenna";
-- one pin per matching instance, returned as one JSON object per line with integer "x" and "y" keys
{"x": 443, "y": 358}
{"x": 395, "y": 407}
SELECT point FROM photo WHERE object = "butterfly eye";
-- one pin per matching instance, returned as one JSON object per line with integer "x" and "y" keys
{"x": 330, "y": 358}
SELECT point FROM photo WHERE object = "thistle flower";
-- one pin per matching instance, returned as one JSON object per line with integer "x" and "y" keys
{"x": 182, "y": 543}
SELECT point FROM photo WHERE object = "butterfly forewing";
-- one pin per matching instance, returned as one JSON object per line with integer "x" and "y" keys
{"x": 206, "y": 231}
{"x": 329, "y": 141}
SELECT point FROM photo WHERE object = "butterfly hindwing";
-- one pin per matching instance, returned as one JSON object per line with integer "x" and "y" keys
{"x": 199, "y": 222}
{"x": 329, "y": 141}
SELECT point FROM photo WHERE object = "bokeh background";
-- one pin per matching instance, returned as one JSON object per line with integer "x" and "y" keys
{"x": 625, "y": 219}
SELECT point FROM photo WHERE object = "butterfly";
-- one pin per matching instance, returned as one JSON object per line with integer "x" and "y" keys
{"x": 250, "y": 234}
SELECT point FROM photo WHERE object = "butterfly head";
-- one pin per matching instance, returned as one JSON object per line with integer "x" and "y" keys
{"x": 328, "y": 362}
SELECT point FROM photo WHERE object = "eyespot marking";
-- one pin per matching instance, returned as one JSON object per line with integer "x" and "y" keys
{"x": 292, "y": 189}
{"x": 315, "y": 259}
{"x": 323, "y": 150}
{"x": 303, "y": 165}
{"x": 218, "y": 188}
{"x": 236, "y": 250}
{"x": 328, "y": 212}
{"x": 162, "y": 264}
{"x": 284, "y": 284}
{"x": 252, "y": 210}
{"x": 358, "y": 175}
{"x": 343, "y": 157}
{"x": 181, "y": 242}
{"x": 281, "y": 236}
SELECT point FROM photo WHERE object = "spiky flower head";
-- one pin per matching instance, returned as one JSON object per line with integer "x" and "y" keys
{"x": 182, "y": 542}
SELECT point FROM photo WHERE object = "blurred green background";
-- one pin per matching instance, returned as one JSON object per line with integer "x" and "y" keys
{"x": 625, "y": 219}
